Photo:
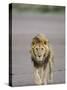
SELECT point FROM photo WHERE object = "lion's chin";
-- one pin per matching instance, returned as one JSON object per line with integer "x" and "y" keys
{"x": 39, "y": 59}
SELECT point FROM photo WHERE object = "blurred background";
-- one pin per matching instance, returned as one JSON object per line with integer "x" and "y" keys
{"x": 27, "y": 21}
{"x": 38, "y": 8}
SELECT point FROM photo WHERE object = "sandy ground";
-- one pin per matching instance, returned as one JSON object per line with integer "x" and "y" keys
{"x": 24, "y": 27}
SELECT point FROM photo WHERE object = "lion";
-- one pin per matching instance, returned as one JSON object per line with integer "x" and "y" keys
{"x": 43, "y": 60}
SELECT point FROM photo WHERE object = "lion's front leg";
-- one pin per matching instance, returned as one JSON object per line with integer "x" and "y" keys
{"x": 37, "y": 78}
{"x": 45, "y": 75}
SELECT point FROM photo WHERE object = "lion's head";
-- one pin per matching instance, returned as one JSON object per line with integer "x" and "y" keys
{"x": 40, "y": 48}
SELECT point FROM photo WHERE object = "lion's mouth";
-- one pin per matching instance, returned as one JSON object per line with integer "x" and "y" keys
{"x": 39, "y": 58}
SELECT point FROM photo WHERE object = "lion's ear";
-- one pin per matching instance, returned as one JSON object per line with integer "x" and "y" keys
{"x": 33, "y": 43}
{"x": 46, "y": 42}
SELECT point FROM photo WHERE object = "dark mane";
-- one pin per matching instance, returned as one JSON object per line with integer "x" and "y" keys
{"x": 36, "y": 40}
{"x": 43, "y": 63}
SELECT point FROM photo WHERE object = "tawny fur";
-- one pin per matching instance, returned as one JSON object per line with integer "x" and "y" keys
{"x": 42, "y": 57}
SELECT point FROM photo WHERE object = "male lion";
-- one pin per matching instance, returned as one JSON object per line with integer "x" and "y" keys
{"x": 42, "y": 57}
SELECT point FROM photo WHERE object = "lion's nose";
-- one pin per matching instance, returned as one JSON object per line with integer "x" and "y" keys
{"x": 39, "y": 56}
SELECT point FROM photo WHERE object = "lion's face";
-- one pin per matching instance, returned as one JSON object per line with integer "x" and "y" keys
{"x": 39, "y": 51}
{"x": 40, "y": 47}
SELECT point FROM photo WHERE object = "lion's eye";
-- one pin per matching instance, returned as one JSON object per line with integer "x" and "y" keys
{"x": 44, "y": 42}
{"x": 41, "y": 48}
{"x": 37, "y": 49}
